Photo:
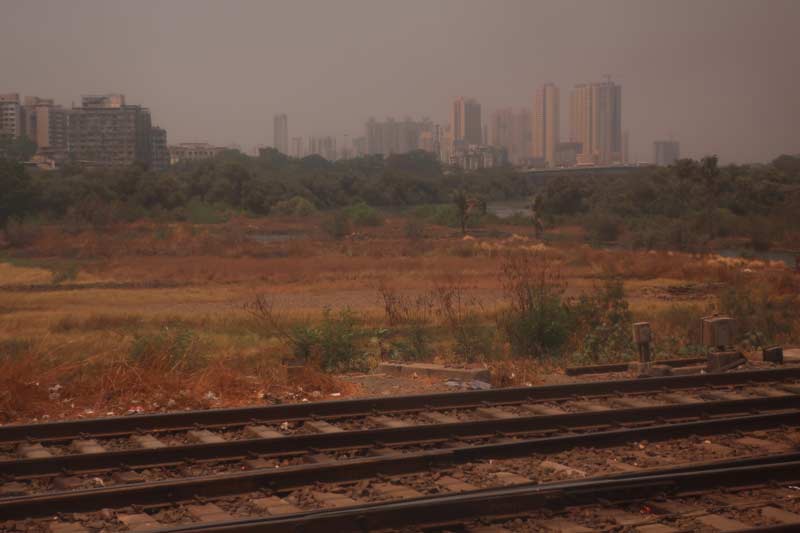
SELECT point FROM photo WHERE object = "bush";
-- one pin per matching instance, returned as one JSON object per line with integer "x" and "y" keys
{"x": 334, "y": 343}
{"x": 337, "y": 225}
{"x": 604, "y": 324}
{"x": 603, "y": 227}
{"x": 296, "y": 206}
{"x": 20, "y": 233}
{"x": 415, "y": 345}
{"x": 199, "y": 212}
{"x": 765, "y": 314}
{"x": 537, "y": 321}
{"x": 363, "y": 215}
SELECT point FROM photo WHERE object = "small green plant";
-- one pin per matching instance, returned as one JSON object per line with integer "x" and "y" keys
{"x": 336, "y": 225}
{"x": 362, "y": 214}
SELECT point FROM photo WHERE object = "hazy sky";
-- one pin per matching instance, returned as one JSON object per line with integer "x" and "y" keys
{"x": 720, "y": 76}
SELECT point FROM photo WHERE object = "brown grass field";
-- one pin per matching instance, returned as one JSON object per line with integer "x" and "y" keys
{"x": 153, "y": 316}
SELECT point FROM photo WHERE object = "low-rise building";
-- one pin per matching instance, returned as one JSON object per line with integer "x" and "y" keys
{"x": 192, "y": 152}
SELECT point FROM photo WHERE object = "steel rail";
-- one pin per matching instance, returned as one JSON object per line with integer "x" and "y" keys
{"x": 300, "y": 444}
{"x": 510, "y": 501}
{"x": 293, "y": 477}
{"x": 184, "y": 420}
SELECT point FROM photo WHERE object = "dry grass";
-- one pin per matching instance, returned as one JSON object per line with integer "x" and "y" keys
{"x": 83, "y": 340}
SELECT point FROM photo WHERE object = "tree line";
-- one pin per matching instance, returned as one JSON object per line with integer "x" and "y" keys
{"x": 674, "y": 206}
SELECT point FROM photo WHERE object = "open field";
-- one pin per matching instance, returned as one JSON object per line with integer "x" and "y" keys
{"x": 94, "y": 321}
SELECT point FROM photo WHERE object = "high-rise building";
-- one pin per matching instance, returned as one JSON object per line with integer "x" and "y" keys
{"x": 665, "y": 153}
{"x": 159, "y": 154}
{"x": 298, "y": 149}
{"x": 596, "y": 122}
{"x": 323, "y": 146}
{"x": 10, "y": 115}
{"x": 106, "y": 131}
{"x": 280, "y": 133}
{"x": 46, "y": 124}
{"x": 512, "y": 131}
{"x": 546, "y": 123}
{"x": 626, "y": 155}
{"x": 465, "y": 121}
{"x": 394, "y": 136}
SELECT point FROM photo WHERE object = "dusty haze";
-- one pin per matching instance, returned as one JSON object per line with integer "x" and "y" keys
{"x": 719, "y": 76}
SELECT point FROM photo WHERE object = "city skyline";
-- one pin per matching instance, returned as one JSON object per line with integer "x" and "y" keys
{"x": 708, "y": 83}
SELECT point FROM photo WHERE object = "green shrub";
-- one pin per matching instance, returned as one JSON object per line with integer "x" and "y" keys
{"x": 22, "y": 233}
{"x": 334, "y": 342}
{"x": 537, "y": 322}
{"x": 604, "y": 323}
{"x": 336, "y": 225}
{"x": 474, "y": 340}
{"x": 415, "y": 344}
{"x": 199, "y": 212}
{"x": 764, "y": 315}
{"x": 363, "y": 215}
{"x": 296, "y": 206}
{"x": 603, "y": 227}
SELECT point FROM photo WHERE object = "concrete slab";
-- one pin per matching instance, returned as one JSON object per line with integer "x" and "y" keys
{"x": 275, "y": 506}
{"x": 435, "y": 371}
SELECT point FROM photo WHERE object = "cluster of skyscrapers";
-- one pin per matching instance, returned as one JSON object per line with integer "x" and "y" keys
{"x": 106, "y": 131}
{"x": 528, "y": 137}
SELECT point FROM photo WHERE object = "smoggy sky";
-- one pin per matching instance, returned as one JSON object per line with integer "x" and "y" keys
{"x": 720, "y": 76}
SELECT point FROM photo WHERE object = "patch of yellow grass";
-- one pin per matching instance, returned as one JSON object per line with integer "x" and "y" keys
{"x": 15, "y": 275}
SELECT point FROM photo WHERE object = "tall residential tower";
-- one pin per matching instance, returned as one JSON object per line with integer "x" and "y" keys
{"x": 465, "y": 121}
{"x": 280, "y": 133}
{"x": 546, "y": 123}
{"x": 596, "y": 122}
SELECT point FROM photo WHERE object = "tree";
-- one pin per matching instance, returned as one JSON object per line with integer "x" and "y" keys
{"x": 16, "y": 192}
{"x": 17, "y": 149}
{"x": 467, "y": 206}
{"x": 709, "y": 171}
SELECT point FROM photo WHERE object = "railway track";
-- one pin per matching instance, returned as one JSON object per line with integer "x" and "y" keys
{"x": 548, "y": 433}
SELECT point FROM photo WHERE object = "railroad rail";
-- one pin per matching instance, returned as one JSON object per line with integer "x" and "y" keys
{"x": 189, "y": 420}
{"x": 278, "y": 465}
{"x": 252, "y": 486}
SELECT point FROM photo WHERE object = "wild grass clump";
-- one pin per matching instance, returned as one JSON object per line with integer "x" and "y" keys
{"x": 176, "y": 348}
{"x": 335, "y": 343}
{"x": 536, "y": 321}
{"x": 96, "y": 322}
{"x": 462, "y": 316}
{"x": 767, "y": 312}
